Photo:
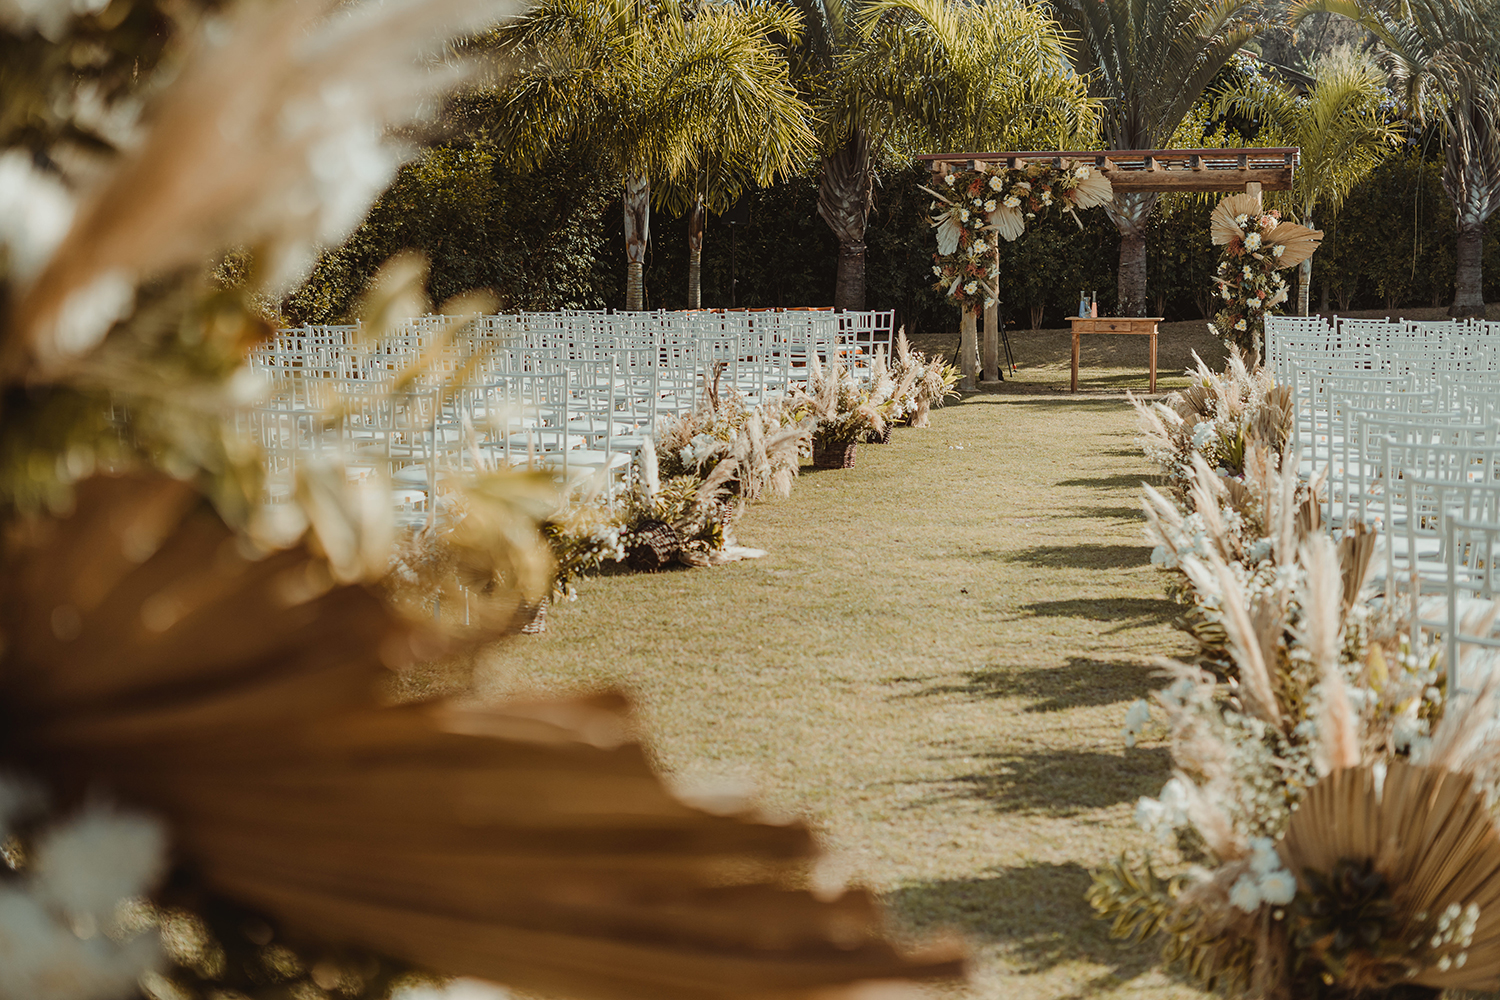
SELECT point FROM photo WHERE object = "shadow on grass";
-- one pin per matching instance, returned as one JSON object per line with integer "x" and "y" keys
{"x": 1133, "y": 612}
{"x": 1083, "y": 682}
{"x": 1056, "y": 782}
{"x": 1076, "y": 556}
{"x": 1035, "y": 911}
{"x": 1109, "y": 513}
{"x": 1125, "y": 481}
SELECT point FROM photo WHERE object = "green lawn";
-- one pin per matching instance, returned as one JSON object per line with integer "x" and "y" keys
{"x": 932, "y": 666}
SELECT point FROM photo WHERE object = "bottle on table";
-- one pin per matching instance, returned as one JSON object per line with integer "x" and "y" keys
{"x": 1083, "y": 303}
{"x": 1094, "y": 304}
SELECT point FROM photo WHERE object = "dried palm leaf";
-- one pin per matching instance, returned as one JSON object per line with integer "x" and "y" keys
{"x": 1222, "y": 225}
{"x": 1008, "y": 222}
{"x": 237, "y": 697}
{"x": 1093, "y": 190}
{"x": 1300, "y": 243}
{"x": 1429, "y": 834}
{"x": 949, "y": 230}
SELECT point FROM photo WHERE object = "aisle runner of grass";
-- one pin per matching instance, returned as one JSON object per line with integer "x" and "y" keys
{"x": 932, "y": 665}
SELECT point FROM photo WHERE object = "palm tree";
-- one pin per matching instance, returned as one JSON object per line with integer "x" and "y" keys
{"x": 1149, "y": 61}
{"x": 902, "y": 76}
{"x": 1339, "y": 124}
{"x": 654, "y": 91}
{"x": 1446, "y": 54}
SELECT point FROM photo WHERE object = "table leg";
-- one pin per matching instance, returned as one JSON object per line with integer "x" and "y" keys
{"x": 1074, "y": 386}
{"x": 1153, "y": 361}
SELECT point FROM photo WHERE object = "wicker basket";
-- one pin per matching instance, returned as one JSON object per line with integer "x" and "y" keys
{"x": 835, "y": 455}
{"x": 653, "y": 546}
{"x": 537, "y": 623}
{"x": 884, "y": 437}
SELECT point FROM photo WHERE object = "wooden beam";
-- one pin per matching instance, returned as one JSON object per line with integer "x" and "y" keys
{"x": 1199, "y": 180}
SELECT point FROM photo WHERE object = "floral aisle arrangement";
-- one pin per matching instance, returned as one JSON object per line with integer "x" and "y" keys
{"x": 283, "y": 829}
{"x": 840, "y": 410}
{"x": 1257, "y": 247}
{"x": 1325, "y": 814}
{"x": 972, "y": 209}
{"x": 931, "y": 383}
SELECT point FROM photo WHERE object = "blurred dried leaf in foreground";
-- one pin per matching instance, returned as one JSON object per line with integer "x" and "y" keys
{"x": 146, "y": 652}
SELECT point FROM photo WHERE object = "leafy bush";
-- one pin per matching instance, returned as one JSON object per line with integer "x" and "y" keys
{"x": 534, "y": 242}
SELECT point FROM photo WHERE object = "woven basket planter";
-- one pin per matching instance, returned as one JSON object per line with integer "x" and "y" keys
{"x": 884, "y": 437}
{"x": 654, "y": 546}
{"x": 834, "y": 455}
{"x": 536, "y": 624}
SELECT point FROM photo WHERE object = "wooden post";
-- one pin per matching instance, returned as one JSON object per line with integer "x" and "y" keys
{"x": 1253, "y": 189}
{"x": 967, "y": 353}
{"x": 992, "y": 342}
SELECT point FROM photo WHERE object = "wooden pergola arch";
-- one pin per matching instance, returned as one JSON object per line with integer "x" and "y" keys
{"x": 1193, "y": 171}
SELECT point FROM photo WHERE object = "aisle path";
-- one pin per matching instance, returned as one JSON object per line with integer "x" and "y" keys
{"x": 933, "y": 665}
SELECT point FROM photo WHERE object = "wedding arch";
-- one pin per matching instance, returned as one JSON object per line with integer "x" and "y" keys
{"x": 1198, "y": 171}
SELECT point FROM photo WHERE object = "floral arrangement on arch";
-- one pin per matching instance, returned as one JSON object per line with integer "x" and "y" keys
{"x": 1257, "y": 244}
{"x": 976, "y": 206}
{"x": 1326, "y": 830}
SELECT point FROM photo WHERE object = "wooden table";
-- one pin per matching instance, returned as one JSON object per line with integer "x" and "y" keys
{"x": 1140, "y": 326}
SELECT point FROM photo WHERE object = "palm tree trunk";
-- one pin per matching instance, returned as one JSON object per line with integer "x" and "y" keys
{"x": 1468, "y": 274}
{"x": 1129, "y": 213}
{"x": 845, "y": 196}
{"x": 1304, "y": 275}
{"x": 637, "y": 199}
{"x": 697, "y": 219}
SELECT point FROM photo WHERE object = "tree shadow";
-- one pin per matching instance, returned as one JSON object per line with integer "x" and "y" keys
{"x": 1056, "y": 783}
{"x": 1132, "y": 612}
{"x": 1125, "y": 481}
{"x": 1109, "y": 513}
{"x": 1082, "y": 682}
{"x": 1076, "y": 556}
{"x": 1037, "y": 912}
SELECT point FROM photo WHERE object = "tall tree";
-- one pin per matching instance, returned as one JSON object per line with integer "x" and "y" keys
{"x": 905, "y": 76}
{"x": 1148, "y": 62}
{"x": 654, "y": 91}
{"x": 1446, "y": 56}
{"x": 1340, "y": 125}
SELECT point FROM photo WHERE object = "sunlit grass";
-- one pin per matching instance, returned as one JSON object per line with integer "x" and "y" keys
{"x": 932, "y": 665}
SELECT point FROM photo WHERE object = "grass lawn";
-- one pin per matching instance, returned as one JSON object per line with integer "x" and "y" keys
{"x": 932, "y": 666}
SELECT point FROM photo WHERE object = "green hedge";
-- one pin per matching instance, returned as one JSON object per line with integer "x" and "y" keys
{"x": 553, "y": 239}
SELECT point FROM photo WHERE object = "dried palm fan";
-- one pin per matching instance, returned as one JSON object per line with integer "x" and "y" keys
{"x": 1221, "y": 223}
{"x": 1093, "y": 190}
{"x": 147, "y": 653}
{"x": 1299, "y": 241}
{"x": 1426, "y": 834}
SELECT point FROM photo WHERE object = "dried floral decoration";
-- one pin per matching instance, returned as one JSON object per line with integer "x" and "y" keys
{"x": 972, "y": 208}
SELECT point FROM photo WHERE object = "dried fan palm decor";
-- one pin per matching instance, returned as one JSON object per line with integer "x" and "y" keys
{"x": 1328, "y": 806}
{"x": 1257, "y": 245}
{"x": 205, "y": 789}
